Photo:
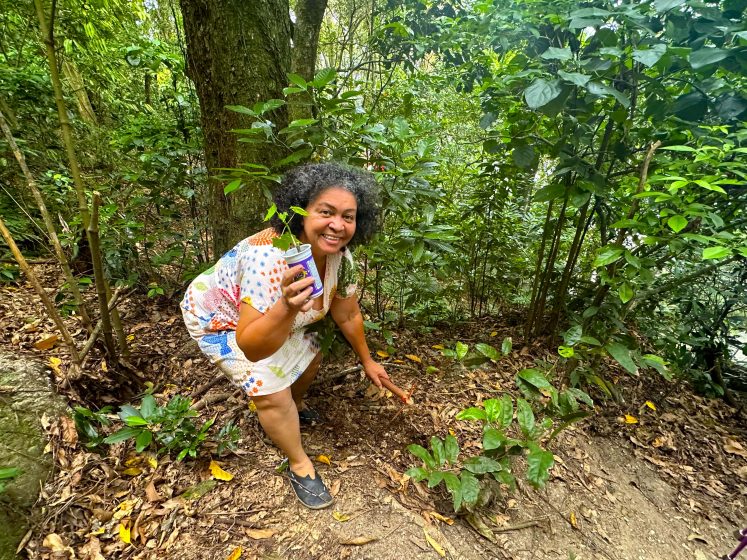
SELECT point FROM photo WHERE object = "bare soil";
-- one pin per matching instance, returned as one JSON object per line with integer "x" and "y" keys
{"x": 671, "y": 485}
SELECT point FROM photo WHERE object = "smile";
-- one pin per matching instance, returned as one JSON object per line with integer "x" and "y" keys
{"x": 331, "y": 238}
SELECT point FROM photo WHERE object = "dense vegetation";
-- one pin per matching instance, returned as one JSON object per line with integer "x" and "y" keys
{"x": 581, "y": 166}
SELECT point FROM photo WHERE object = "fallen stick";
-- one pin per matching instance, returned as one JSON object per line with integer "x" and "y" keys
{"x": 405, "y": 396}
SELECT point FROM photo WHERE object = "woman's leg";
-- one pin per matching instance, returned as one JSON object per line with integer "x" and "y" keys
{"x": 279, "y": 418}
{"x": 301, "y": 385}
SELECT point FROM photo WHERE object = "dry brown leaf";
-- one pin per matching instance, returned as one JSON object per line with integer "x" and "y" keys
{"x": 742, "y": 472}
{"x": 434, "y": 544}
{"x": 358, "y": 541}
{"x": 735, "y": 448}
{"x": 46, "y": 343}
{"x": 447, "y": 520}
{"x": 334, "y": 488}
{"x": 258, "y": 534}
{"x": 151, "y": 493}
{"x": 68, "y": 431}
{"x": 54, "y": 541}
{"x": 236, "y": 554}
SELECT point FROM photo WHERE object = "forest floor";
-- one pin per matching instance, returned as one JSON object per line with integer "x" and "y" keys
{"x": 672, "y": 485}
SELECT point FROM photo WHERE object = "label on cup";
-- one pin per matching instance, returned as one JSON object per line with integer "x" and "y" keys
{"x": 305, "y": 259}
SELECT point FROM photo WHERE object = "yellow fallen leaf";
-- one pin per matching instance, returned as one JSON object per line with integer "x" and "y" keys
{"x": 341, "y": 517}
{"x": 99, "y": 531}
{"x": 55, "y": 363}
{"x": 438, "y": 346}
{"x": 104, "y": 367}
{"x": 218, "y": 473}
{"x": 46, "y": 343}
{"x": 452, "y": 432}
{"x": 252, "y": 406}
{"x": 414, "y": 358}
{"x": 152, "y": 461}
{"x": 124, "y": 508}
{"x": 574, "y": 521}
{"x": 494, "y": 333}
{"x": 124, "y": 533}
{"x": 257, "y": 534}
{"x": 324, "y": 459}
{"x": 130, "y": 337}
{"x": 358, "y": 541}
{"x": 437, "y": 547}
{"x": 236, "y": 554}
{"x": 630, "y": 419}
{"x": 382, "y": 354}
{"x": 447, "y": 520}
{"x": 651, "y": 405}
{"x": 132, "y": 471}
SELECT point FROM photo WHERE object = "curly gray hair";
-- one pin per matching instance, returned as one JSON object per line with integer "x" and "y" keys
{"x": 301, "y": 185}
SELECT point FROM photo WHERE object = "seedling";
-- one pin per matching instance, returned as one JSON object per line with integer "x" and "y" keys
{"x": 286, "y": 238}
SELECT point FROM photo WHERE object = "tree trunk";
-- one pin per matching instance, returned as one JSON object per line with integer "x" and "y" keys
{"x": 238, "y": 53}
{"x": 72, "y": 74}
{"x": 309, "y": 16}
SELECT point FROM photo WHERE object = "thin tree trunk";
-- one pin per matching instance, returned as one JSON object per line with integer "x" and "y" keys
{"x": 309, "y": 16}
{"x": 72, "y": 282}
{"x": 529, "y": 325}
{"x": 85, "y": 109}
{"x": 48, "y": 305}
{"x": 98, "y": 274}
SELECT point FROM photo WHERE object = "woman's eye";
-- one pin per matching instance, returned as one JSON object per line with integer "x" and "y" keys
{"x": 326, "y": 213}
{"x": 349, "y": 218}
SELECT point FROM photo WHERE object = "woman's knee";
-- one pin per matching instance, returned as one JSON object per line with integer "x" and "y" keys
{"x": 275, "y": 401}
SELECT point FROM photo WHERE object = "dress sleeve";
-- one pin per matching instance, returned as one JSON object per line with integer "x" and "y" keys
{"x": 347, "y": 276}
{"x": 260, "y": 273}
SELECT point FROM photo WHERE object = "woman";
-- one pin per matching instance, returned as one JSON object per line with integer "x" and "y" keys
{"x": 248, "y": 313}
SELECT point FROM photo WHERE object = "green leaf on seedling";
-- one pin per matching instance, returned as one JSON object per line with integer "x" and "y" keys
{"x": 534, "y": 377}
{"x": 143, "y": 440}
{"x": 622, "y": 355}
{"x": 434, "y": 478}
{"x": 539, "y": 463}
{"x": 481, "y": 465}
{"x": 493, "y": 410}
{"x": 461, "y": 350}
{"x": 438, "y": 451}
{"x": 300, "y": 211}
{"x": 492, "y": 439}
{"x": 232, "y": 186}
{"x": 270, "y": 212}
{"x": 566, "y": 351}
{"x": 422, "y": 453}
{"x": 451, "y": 449}
{"x": 9, "y": 472}
{"x": 525, "y": 416}
{"x": 572, "y": 335}
{"x": 470, "y": 488}
{"x": 122, "y": 435}
{"x": 488, "y": 351}
{"x": 472, "y": 413}
{"x": 148, "y": 406}
{"x": 417, "y": 473}
{"x": 716, "y": 252}
{"x": 607, "y": 255}
{"x": 454, "y": 486}
{"x": 506, "y": 346}
{"x": 507, "y": 410}
{"x": 625, "y": 291}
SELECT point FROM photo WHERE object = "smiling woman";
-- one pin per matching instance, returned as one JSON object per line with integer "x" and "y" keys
{"x": 249, "y": 312}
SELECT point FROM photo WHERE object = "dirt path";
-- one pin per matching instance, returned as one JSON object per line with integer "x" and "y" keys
{"x": 672, "y": 485}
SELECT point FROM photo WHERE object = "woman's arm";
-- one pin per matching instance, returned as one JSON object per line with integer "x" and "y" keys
{"x": 260, "y": 335}
{"x": 347, "y": 314}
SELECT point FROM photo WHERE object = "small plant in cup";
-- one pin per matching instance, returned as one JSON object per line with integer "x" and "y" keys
{"x": 286, "y": 238}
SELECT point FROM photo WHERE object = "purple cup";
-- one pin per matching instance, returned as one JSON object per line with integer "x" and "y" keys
{"x": 303, "y": 256}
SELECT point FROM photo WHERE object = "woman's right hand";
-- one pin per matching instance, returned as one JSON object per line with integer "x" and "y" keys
{"x": 296, "y": 294}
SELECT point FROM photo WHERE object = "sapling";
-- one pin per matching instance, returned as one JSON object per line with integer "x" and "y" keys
{"x": 286, "y": 238}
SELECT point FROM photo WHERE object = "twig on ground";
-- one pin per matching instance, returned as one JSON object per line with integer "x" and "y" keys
{"x": 212, "y": 399}
{"x": 240, "y": 522}
{"x": 205, "y": 387}
{"x": 523, "y": 525}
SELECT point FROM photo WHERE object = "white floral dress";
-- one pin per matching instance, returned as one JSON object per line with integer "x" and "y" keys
{"x": 251, "y": 272}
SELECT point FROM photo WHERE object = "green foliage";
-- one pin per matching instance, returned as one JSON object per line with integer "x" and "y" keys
{"x": 7, "y": 474}
{"x": 164, "y": 429}
{"x": 286, "y": 238}
{"x": 473, "y": 481}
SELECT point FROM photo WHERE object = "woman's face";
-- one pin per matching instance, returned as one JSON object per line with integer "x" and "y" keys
{"x": 330, "y": 224}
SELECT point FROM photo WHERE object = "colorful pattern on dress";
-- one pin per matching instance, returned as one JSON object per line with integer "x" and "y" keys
{"x": 252, "y": 273}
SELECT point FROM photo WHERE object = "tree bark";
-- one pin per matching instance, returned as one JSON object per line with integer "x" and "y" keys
{"x": 309, "y": 16}
{"x": 238, "y": 53}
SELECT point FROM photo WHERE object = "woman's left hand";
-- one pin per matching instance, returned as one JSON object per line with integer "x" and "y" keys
{"x": 375, "y": 372}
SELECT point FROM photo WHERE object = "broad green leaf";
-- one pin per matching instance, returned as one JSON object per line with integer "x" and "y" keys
{"x": 437, "y": 445}
{"x": 488, "y": 351}
{"x": 716, "y": 252}
{"x": 472, "y": 413}
{"x": 679, "y": 149}
{"x": 143, "y": 440}
{"x": 493, "y": 410}
{"x": 555, "y": 53}
{"x": 417, "y": 473}
{"x": 566, "y": 351}
{"x": 461, "y": 350}
{"x": 232, "y": 186}
{"x": 541, "y": 92}
{"x": 507, "y": 410}
{"x": 539, "y": 463}
{"x": 270, "y": 212}
{"x": 709, "y": 186}
{"x": 573, "y": 335}
{"x": 435, "y": 478}
{"x": 454, "y": 486}
{"x": 534, "y": 377}
{"x": 705, "y": 56}
{"x": 677, "y": 223}
{"x": 596, "y": 88}
{"x": 451, "y": 449}
{"x": 295, "y": 157}
{"x": 470, "y": 488}
{"x": 241, "y": 109}
{"x": 9, "y": 472}
{"x": 550, "y": 192}
{"x": 590, "y": 340}
{"x": 481, "y": 465}
{"x": 136, "y": 421}
{"x": 525, "y": 417}
{"x": 581, "y": 395}
{"x": 649, "y": 57}
{"x": 607, "y": 255}
{"x": 271, "y": 105}
{"x": 422, "y": 453}
{"x": 122, "y": 435}
{"x": 506, "y": 346}
{"x": 323, "y": 77}
{"x": 148, "y": 406}
{"x": 625, "y": 291}
{"x": 662, "y": 6}
{"x": 622, "y": 355}
{"x": 574, "y": 77}
{"x": 297, "y": 80}
{"x": 492, "y": 439}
